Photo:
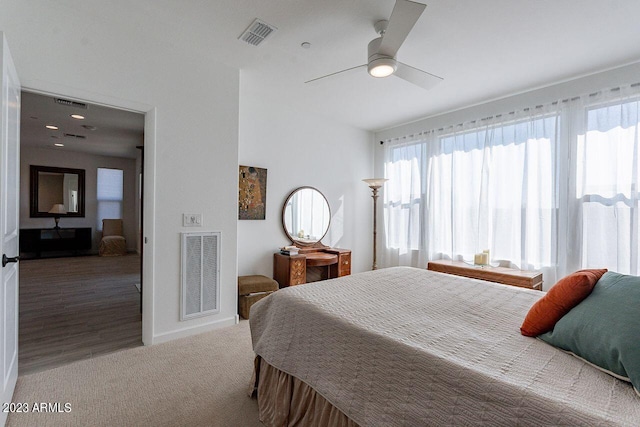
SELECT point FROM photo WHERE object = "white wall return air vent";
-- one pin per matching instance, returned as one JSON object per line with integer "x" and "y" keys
{"x": 200, "y": 294}
{"x": 257, "y": 32}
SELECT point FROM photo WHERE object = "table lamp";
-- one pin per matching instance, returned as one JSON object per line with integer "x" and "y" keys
{"x": 57, "y": 210}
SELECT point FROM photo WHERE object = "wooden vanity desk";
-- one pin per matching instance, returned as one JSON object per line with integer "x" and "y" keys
{"x": 293, "y": 270}
{"x": 306, "y": 217}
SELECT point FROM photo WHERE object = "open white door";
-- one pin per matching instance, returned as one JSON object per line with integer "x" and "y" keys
{"x": 9, "y": 227}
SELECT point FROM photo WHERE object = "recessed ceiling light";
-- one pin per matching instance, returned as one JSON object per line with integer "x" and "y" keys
{"x": 55, "y": 137}
{"x": 306, "y": 45}
{"x": 77, "y": 116}
{"x": 52, "y": 127}
{"x": 88, "y": 127}
{"x": 57, "y": 144}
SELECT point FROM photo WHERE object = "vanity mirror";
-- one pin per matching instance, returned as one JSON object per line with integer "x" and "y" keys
{"x": 51, "y": 186}
{"x": 306, "y": 216}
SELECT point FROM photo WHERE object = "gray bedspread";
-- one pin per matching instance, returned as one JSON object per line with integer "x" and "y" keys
{"x": 410, "y": 347}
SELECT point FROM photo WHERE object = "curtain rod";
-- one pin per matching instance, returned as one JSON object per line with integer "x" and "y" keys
{"x": 575, "y": 98}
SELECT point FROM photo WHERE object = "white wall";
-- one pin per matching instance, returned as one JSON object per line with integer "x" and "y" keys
{"x": 536, "y": 96}
{"x": 300, "y": 149}
{"x": 104, "y": 52}
{"x": 90, "y": 164}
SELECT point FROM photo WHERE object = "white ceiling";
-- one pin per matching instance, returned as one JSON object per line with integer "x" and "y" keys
{"x": 116, "y": 134}
{"x": 484, "y": 50}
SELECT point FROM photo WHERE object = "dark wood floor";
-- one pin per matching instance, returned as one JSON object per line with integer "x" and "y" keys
{"x": 77, "y": 308}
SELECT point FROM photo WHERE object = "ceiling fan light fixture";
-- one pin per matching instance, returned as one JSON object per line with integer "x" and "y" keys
{"x": 382, "y": 51}
{"x": 382, "y": 67}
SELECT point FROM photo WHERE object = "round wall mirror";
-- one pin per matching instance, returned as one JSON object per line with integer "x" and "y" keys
{"x": 306, "y": 216}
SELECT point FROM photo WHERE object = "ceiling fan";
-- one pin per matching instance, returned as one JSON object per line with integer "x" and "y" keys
{"x": 382, "y": 51}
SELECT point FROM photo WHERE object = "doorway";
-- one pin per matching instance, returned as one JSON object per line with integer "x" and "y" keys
{"x": 75, "y": 304}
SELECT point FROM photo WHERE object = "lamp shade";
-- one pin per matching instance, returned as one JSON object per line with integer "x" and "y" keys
{"x": 375, "y": 182}
{"x": 58, "y": 208}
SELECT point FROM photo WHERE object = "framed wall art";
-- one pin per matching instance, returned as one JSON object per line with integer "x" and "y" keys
{"x": 252, "y": 198}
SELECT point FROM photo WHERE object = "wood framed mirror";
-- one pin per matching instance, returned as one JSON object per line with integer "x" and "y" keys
{"x": 306, "y": 216}
{"x": 50, "y": 186}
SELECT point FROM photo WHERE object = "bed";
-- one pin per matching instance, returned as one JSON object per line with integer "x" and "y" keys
{"x": 410, "y": 347}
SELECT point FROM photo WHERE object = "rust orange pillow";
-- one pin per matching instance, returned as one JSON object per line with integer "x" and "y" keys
{"x": 561, "y": 298}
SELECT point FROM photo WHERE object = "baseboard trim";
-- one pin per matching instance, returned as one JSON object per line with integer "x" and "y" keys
{"x": 194, "y": 330}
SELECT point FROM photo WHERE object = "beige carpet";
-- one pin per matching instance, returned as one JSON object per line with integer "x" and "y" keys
{"x": 197, "y": 381}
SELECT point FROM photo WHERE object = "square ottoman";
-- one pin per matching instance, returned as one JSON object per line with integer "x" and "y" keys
{"x": 252, "y": 289}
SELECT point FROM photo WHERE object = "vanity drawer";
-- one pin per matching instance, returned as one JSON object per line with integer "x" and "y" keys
{"x": 297, "y": 271}
{"x": 344, "y": 264}
{"x": 289, "y": 270}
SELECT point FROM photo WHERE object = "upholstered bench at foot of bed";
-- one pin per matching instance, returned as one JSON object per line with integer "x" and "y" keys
{"x": 252, "y": 289}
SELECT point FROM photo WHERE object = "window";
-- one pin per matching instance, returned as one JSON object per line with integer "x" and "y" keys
{"x": 607, "y": 172}
{"x": 404, "y": 210}
{"x": 110, "y": 194}
{"x": 553, "y": 188}
{"x": 459, "y": 192}
{"x": 499, "y": 189}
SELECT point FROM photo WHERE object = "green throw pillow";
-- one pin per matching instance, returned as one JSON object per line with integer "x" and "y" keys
{"x": 604, "y": 329}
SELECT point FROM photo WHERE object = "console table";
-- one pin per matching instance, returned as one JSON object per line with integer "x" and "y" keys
{"x": 38, "y": 240}
{"x": 503, "y": 275}
{"x": 291, "y": 270}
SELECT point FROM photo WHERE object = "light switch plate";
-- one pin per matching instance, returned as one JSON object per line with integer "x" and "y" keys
{"x": 192, "y": 220}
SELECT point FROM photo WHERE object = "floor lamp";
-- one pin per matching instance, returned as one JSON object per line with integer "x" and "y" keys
{"x": 375, "y": 184}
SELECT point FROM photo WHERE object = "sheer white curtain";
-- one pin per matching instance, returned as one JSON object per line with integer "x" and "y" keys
{"x": 493, "y": 188}
{"x": 405, "y": 204}
{"x": 605, "y": 199}
{"x": 482, "y": 185}
{"x": 553, "y": 188}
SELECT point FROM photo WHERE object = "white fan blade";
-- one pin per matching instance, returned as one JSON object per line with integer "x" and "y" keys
{"x": 416, "y": 76}
{"x": 404, "y": 16}
{"x": 333, "y": 74}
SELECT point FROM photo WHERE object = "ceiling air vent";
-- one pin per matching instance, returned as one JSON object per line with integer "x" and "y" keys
{"x": 72, "y": 135}
{"x": 257, "y": 32}
{"x": 69, "y": 103}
